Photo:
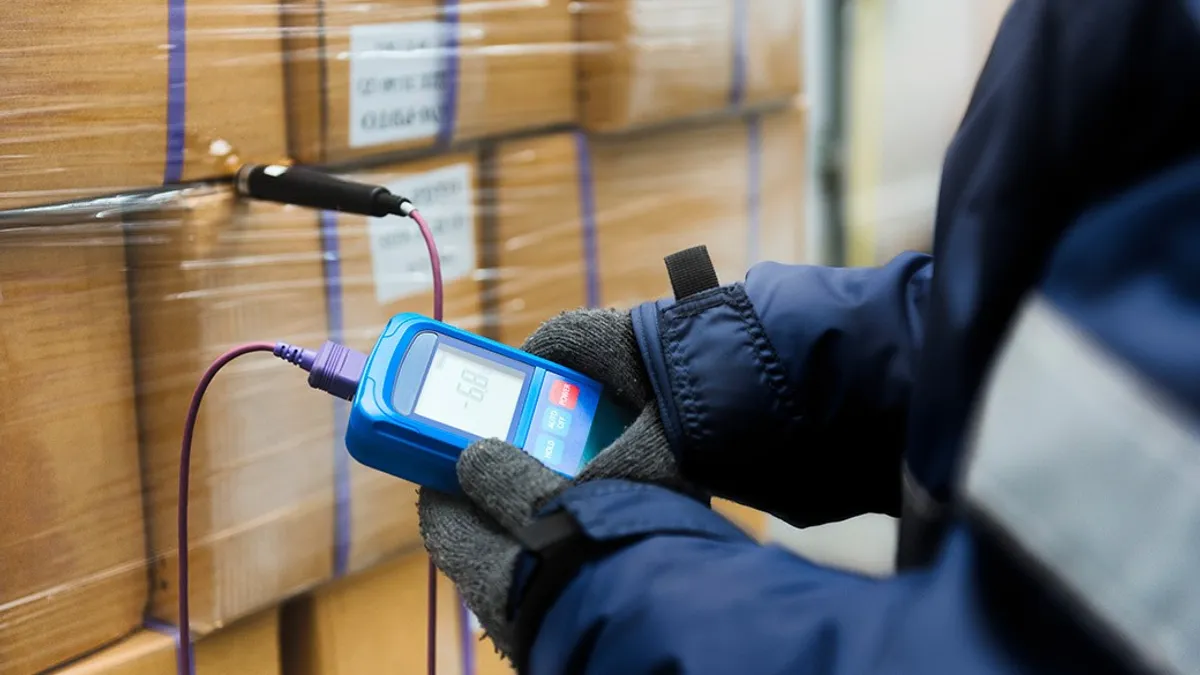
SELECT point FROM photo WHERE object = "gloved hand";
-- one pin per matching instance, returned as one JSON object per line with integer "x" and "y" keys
{"x": 472, "y": 540}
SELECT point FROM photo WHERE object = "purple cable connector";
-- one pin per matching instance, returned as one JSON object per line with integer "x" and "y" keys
{"x": 334, "y": 368}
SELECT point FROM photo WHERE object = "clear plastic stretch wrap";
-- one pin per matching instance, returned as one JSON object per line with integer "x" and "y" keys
{"x": 559, "y": 150}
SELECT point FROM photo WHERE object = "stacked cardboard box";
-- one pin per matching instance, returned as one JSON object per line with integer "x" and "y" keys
{"x": 773, "y": 67}
{"x": 71, "y": 532}
{"x": 781, "y": 179}
{"x": 374, "y": 622}
{"x": 209, "y": 272}
{"x": 388, "y": 75}
{"x": 646, "y": 62}
{"x": 248, "y": 647}
{"x": 588, "y": 220}
{"x": 537, "y": 246}
{"x": 135, "y": 94}
{"x": 106, "y": 321}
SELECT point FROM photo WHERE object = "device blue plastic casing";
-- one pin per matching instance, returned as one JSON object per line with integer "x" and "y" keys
{"x": 425, "y": 452}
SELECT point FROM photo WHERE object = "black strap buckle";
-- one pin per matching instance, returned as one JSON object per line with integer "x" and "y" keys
{"x": 562, "y": 549}
{"x": 545, "y": 533}
{"x": 691, "y": 271}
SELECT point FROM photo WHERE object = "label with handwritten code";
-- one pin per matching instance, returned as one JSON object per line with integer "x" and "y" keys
{"x": 399, "y": 259}
{"x": 398, "y": 80}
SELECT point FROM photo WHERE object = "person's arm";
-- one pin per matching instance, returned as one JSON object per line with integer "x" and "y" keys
{"x": 694, "y": 598}
{"x": 789, "y": 392}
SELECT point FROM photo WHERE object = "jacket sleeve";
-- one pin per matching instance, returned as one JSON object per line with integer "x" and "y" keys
{"x": 789, "y": 392}
{"x": 695, "y": 597}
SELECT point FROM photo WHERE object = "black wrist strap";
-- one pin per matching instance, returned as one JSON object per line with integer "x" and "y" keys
{"x": 561, "y": 549}
{"x": 691, "y": 271}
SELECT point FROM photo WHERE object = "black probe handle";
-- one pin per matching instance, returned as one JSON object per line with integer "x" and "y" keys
{"x": 314, "y": 189}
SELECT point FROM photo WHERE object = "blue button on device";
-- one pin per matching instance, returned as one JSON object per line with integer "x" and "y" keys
{"x": 549, "y": 449}
{"x": 557, "y": 421}
{"x": 428, "y": 390}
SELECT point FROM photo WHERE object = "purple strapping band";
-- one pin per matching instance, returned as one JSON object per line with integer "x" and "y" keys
{"x": 332, "y": 267}
{"x": 446, "y": 125}
{"x": 741, "y": 39}
{"x": 173, "y": 173}
{"x": 587, "y": 208}
{"x": 467, "y": 640}
{"x": 449, "y": 118}
{"x": 176, "y": 90}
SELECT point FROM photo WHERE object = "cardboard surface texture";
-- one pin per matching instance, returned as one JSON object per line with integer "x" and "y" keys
{"x": 646, "y": 62}
{"x": 373, "y": 622}
{"x": 384, "y": 270}
{"x": 584, "y": 220}
{"x": 209, "y": 272}
{"x": 538, "y": 248}
{"x": 71, "y": 531}
{"x": 248, "y": 647}
{"x": 657, "y": 194}
{"x": 125, "y": 98}
{"x": 389, "y": 75}
{"x": 774, "y": 64}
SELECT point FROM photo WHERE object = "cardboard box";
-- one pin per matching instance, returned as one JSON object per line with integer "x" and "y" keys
{"x": 660, "y": 193}
{"x": 774, "y": 47}
{"x": 588, "y": 220}
{"x": 645, "y": 62}
{"x": 373, "y": 622}
{"x": 391, "y": 75}
{"x": 121, "y": 101}
{"x": 71, "y": 531}
{"x": 735, "y": 186}
{"x": 208, "y": 272}
{"x": 584, "y": 221}
{"x": 249, "y": 647}
{"x": 384, "y": 271}
{"x": 538, "y": 252}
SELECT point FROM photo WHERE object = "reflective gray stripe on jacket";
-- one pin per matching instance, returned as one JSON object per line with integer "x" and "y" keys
{"x": 1095, "y": 475}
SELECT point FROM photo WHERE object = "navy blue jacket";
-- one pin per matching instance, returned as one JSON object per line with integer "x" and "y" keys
{"x": 810, "y": 392}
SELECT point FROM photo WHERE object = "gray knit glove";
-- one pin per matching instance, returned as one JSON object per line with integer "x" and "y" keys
{"x": 471, "y": 540}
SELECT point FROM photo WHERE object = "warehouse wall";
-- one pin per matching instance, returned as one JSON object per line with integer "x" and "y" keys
{"x": 913, "y": 65}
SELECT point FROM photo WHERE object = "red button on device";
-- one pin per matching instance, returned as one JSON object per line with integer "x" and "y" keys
{"x": 564, "y": 394}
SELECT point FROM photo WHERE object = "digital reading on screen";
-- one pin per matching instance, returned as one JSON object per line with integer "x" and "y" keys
{"x": 470, "y": 393}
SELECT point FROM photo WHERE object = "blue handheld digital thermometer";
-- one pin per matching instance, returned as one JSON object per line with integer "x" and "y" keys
{"x": 428, "y": 390}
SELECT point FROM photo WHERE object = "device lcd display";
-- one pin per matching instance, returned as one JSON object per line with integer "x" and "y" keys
{"x": 470, "y": 393}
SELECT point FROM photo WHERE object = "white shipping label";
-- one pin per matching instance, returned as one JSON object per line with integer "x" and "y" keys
{"x": 399, "y": 259}
{"x": 398, "y": 78}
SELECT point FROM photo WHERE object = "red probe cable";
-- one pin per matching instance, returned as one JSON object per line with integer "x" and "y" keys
{"x": 435, "y": 262}
{"x": 185, "y": 664}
